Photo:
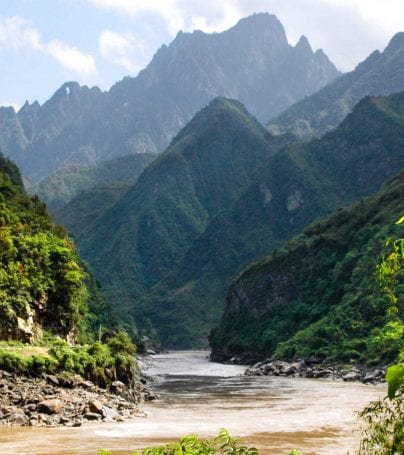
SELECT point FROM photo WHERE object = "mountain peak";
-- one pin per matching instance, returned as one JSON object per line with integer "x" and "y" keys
{"x": 397, "y": 42}
{"x": 303, "y": 45}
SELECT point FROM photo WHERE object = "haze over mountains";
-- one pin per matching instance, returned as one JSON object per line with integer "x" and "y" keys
{"x": 382, "y": 73}
{"x": 252, "y": 62}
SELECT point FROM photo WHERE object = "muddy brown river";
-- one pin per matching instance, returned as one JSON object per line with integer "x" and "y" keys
{"x": 197, "y": 396}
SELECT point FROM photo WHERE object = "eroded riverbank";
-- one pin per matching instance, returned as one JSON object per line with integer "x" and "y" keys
{"x": 276, "y": 414}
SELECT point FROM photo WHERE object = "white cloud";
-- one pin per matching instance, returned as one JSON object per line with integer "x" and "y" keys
{"x": 70, "y": 57}
{"x": 119, "y": 48}
{"x": 16, "y": 33}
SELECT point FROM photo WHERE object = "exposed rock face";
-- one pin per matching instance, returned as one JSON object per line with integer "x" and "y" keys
{"x": 380, "y": 74}
{"x": 252, "y": 62}
{"x": 66, "y": 401}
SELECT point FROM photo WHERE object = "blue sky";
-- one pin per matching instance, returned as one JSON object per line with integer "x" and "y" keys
{"x": 44, "y": 43}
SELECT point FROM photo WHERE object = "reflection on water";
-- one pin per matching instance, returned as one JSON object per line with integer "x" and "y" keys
{"x": 198, "y": 396}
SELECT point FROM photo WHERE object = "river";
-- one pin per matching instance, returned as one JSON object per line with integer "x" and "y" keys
{"x": 197, "y": 396}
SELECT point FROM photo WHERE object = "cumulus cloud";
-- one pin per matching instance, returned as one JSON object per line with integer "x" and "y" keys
{"x": 70, "y": 57}
{"x": 348, "y": 30}
{"x": 119, "y": 48}
{"x": 17, "y": 33}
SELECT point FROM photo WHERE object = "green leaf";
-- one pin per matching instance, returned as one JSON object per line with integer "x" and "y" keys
{"x": 395, "y": 379}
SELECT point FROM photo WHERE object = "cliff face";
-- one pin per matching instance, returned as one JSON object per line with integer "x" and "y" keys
{"x": 42, "y": 285}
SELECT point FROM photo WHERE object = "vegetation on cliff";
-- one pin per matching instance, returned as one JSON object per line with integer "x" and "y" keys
{"x": 44, "y": 286}
{"x": 317, "y": 295}
{"x": 293, "y": 187}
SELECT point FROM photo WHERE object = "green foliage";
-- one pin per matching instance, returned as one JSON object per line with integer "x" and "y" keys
{"x": 384, "y": 419}
{"x": 293, "y": 187}
{"x": 317, "y": 296}
{"x": 223, "y": 444}
{"x": 42, "y": 280}
{"x": 72, "y": 180}
{"x": 384, "y": 430}
{"x": 98, "y": 362}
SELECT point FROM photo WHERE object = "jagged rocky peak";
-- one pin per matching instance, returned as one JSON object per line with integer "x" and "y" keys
{"x": 303, "y": 45}
{"x": 396, "y": 43}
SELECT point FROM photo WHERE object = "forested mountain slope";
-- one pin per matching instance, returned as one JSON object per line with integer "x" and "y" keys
{"x": 318, "y": 295}
{"x": 204, "y": 171}
{"x": 295, "y": 186}
{"x": 43, "y": 285}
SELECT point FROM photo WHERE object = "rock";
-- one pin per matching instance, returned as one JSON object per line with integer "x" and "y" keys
{"x": 373, "y": 376}
{"x": 109, "y": 413}
{"x": 318, "y": 374}
{"x": 92, "y": 416}
{"x": 253, "y": 372}
{"x": 52, "y": 379}
{"x": 18, "y": 419}
{"x": 117, "y": 385}
{"x": 77, "y": 423}
{"x": 48, "y": 391}
{"x": 87, "y": 384}
{"x": 53, "y": 406}
{"x": 351, "y": 376}
{"x": 64, "y": 420}
{"x": 95, "y": 406}
{"x": 150, "y": 396}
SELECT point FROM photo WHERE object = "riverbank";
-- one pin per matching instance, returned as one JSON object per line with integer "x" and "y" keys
{"x": 67, "y": 400}
{"x": 316, "y": 369}
{"x": 274, "y": 414}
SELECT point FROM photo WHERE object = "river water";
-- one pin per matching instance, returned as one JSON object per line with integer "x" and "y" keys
{"x": 197, "y": 396}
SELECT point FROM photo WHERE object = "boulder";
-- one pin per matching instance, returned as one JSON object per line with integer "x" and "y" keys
{"x": 351, "y": 376}
{"x": 95, "y": 406}
{"x": 109, "y": 413}
{"x": 53, "y": 406}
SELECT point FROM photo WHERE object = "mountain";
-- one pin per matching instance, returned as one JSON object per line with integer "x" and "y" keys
{"x": 252, "y": 62}
{"x": 318, "y": 295}
{"x": 294, "y": 187}
{"x": 380, "y": 74}
{"x": 71, "y": 180}
{"x": 204, "y": 171}
{"x": 43, "y": 285}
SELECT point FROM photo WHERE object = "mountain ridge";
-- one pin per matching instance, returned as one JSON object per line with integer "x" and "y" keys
{"x": 252, "y": 62}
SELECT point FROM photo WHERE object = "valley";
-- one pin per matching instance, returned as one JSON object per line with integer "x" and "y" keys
{"x": 238, "y": 200}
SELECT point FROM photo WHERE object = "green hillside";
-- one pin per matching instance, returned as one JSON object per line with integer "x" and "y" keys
{"x": 296, "y": 186}
{"x": 318, "y": 295}
{"x": 43, "y": 286}
{"x": 205, "y": 169}
{"x": 70, "y": 181}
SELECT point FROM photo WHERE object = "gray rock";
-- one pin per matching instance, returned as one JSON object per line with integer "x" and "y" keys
{"x": 351, "y": 376}
{"x": 92, "y": 416}
{"x": 109, "y": 413}
{"x": 18, "y": 419}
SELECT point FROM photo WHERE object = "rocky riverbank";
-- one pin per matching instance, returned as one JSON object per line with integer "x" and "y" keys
{"x": 60, "y": 400}
{"x": 315, "y": 368}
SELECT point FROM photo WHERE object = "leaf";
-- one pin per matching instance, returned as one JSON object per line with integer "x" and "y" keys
{"x": 400, "y": 221}
{"x": 395, "y": 379}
